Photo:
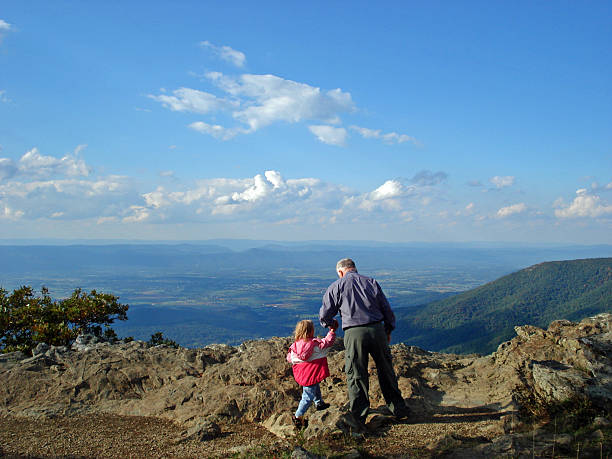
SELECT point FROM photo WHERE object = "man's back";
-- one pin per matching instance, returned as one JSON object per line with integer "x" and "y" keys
{"x": 360, "y": 301}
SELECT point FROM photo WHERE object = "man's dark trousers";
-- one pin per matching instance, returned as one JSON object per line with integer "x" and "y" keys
{"x": 359, "y": 343}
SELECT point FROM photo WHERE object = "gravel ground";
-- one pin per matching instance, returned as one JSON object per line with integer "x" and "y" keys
{"x": 110, "y": 436}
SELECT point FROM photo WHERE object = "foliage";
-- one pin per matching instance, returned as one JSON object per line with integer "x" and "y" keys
{"x": 27, "y": 319}
{"x": 158, "y": 338}
{"x": 480, "y": 319}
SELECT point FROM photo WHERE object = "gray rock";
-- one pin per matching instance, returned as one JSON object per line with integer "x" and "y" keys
{"x": 253, "y": 382}
{"x": 40, "y": 348}
{"x": 353, "y": 454}
{"x": 202, "y": 431}
{"x": 301, "y": 453}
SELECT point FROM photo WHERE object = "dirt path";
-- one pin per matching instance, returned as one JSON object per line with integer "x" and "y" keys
{"x": 109, "y": 436}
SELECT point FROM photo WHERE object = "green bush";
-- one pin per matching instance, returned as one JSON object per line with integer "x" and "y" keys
{"x": 27, "y": 319}
{"x": 158, "y": 338}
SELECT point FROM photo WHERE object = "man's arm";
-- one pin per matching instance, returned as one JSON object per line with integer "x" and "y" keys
{"x": 329, "y": 308}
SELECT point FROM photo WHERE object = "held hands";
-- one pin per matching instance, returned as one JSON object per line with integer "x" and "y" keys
{"x": 334, "y": 325}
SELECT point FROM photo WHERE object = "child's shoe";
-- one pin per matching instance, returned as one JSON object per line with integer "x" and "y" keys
{"x": 299, "y": 422}
{"x": 322, "y": 406}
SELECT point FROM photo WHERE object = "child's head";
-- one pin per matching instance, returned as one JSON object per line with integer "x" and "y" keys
{"x": 304, "y": 330}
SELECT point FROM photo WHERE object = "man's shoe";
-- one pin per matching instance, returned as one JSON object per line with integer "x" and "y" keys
{"x": 402, "y": 413}
{"x": 322, "y": 406}
{"x": 354, "y": 424}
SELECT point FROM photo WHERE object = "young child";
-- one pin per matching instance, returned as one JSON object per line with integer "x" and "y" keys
{"x": 309, "y": 358}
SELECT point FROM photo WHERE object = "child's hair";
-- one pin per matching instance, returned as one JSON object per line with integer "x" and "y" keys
{"x": 304, "y": 330}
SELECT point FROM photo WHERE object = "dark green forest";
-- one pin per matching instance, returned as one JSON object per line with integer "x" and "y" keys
{"x": 480, "y": 319}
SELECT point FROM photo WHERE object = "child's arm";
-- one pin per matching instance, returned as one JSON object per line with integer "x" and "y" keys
{"x": 327, "y": 341}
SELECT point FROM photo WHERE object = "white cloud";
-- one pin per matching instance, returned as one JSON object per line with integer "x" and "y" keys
{"x": 390, "y": 138}
{"x": 609, "y": 186}
{"x": 138, "y": 214}
{"x": 216, "y": 130}
{"x": 192, "y": 100}
{"x": 8, "y": 168}
{"x": 39, "y": 186}
{"x": 511, "y": 210}
{"x": 226, "y": 53}
{"x": 257, "y": 101}
{"x": 389, "y": 189}
{"x": 10, "y": 214}
{"x": 5, "y": 27}
{"x": 502, "y": 182}
{"x": 271, "y": 99}
{"x": 266, "y": 196}
{"x": 35, "y": 164}
{"x": 583, "y": 205}
{"x": 329, "y": 134}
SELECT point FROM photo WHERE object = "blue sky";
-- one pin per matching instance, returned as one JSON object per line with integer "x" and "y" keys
{"x": 395, "y": 121}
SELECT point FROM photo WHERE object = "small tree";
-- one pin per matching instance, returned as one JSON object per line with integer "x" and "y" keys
{"x": 158, "y": 338}
{"x": 27, "y": 319}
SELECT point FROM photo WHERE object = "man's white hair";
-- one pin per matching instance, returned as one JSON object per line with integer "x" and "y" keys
{"x": 345, "y": 263}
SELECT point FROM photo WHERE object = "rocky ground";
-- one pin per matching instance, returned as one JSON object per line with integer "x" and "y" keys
{"x": 132, "y": 400}
{"x": 114, "y": 436}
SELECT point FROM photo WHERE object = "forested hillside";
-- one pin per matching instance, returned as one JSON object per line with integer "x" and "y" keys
{"x": 480, "y": 319}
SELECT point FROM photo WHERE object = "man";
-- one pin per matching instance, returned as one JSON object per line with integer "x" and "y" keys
{"x": 367, "y": 321}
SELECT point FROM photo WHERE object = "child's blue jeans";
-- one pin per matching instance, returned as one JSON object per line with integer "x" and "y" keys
{"x": 310, "y": 394}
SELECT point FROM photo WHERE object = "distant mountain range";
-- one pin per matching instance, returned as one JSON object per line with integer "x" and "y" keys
{"x": 480, "y": 319}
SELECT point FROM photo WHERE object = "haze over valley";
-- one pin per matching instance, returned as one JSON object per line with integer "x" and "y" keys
{"x": 227, "y": 291}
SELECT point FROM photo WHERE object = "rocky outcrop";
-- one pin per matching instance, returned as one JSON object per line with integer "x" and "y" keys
{"x": 204, "y": 388}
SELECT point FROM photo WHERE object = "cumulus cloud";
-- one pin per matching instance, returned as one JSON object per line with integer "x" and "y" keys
{"x": 269, "y": 99}
{"x": 226, "y": 53}
{"x": 41, "y": 186}
{"x": 3, "y": 97}
{"x": 329, "y": 134}
{"x": 65, "y": 188}
{"x": 265, "y": 196}
{"x": 192, "y": 100}
{"x": 257, "y": 101}
{"x": 271, "y": 198}
{"x": 583, "y": 205}
{"x": 388, "y": 190}
{"x": 396, "y": 197}
{"x": 33, "y": 164}
{"x": 511, "y": 210}
{"x": 502, "y": 182}
{"x": 390, "y": 137}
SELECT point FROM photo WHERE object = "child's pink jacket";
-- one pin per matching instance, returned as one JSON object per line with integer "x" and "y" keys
{"x": 309, "y": 372}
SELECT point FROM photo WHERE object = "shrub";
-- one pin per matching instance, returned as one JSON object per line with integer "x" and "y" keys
{"x": 158, "y": 338}
{"x": 27, "y": 319}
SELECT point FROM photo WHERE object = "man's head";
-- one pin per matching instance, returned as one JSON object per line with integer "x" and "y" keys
{"x": 345, "y": 265}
